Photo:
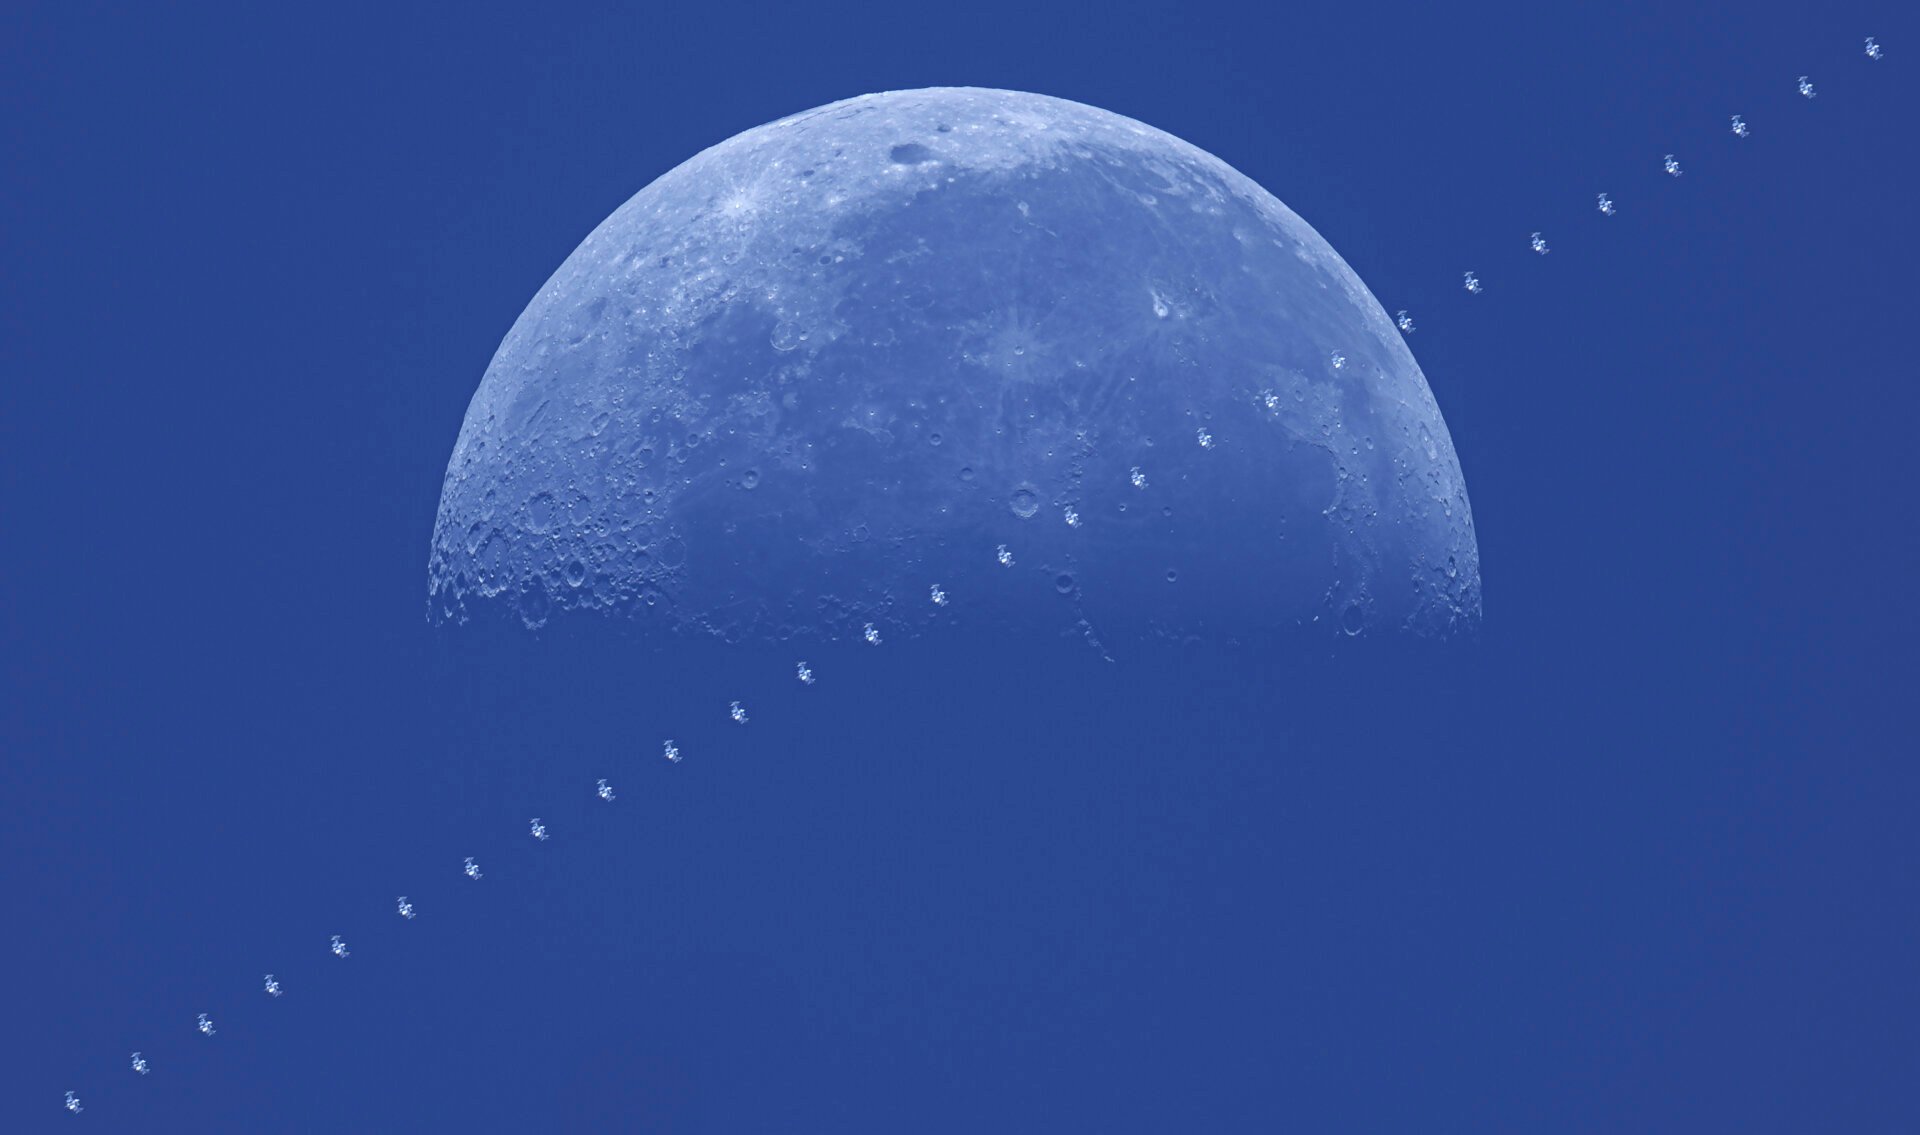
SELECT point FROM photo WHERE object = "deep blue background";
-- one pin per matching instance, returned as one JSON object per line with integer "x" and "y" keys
{"x": 1641, "y": 858}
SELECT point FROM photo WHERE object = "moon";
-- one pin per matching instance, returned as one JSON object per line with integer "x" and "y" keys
{"x": 957, "y": 354}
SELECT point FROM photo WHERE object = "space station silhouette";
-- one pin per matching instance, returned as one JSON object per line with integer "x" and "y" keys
{"x": 805, "y": 672}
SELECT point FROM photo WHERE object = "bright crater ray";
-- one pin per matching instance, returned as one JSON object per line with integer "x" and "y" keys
{"x": 837, "y": 359}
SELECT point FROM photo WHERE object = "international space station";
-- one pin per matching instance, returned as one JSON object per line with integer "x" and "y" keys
{"x": 804, "y": 673}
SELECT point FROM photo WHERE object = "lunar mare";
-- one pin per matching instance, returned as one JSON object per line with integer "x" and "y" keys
{"x": 840, "y": 360}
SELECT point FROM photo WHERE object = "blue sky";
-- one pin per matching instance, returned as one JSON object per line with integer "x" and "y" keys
{"x": 1640, "y": 857}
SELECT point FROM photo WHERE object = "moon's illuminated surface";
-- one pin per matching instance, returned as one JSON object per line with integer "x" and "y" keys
{"x": 839, "y": 359}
